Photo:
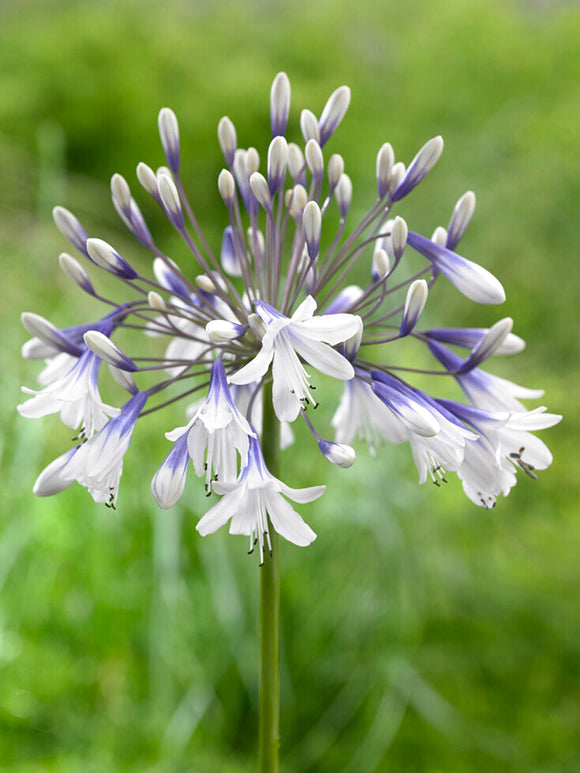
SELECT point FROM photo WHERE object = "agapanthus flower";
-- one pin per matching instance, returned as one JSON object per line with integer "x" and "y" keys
{"x": 275, "y": 302}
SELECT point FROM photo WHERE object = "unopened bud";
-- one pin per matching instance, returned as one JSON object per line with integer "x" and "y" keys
{"x": 104, "y": 348}
{"x": 385, "y": 163}
{"x": 148, "y": 180}
{"x": 108, "y": 258}
{"x": 170, "y": 200}
{"x": 309, "y": 126}
{"x": 352, "y": 345}
{"x": 70, "y": 228}
{"x": 333, "y": 112}
{"x": 42, "y": 329}
{"x": 227, "y": 187}
{"x": 314, "y": 159}
{"x": 121, "y": 193}
{"x": 440, "y": 236}
{"x": 296, "y": 163}
{"x": 337, "y": 453}
{"x": 399, "y": 235}
{"x": 335, "y": 169}
{"x": 491, "y": 342}
{"x": 419, "y": 167}
{"x": 343, "y": 194}
{"x": 124, "y": 379}
{"x": 252, "y": 161}
{"x": 169, "y": 133}
{"x": 296, "y": 200}
{"x": 414, "y": 305}
{"x": 396, "y": 175}
{"x": 277, "y": 162}
{"x": 257, "y": 326}
{"x": 460, "y": 218}
{"x": 220, "y": 331}
{"x": 279, "y": 104}
{"x": 381, "y": 265}
{"x": 156, "y": 301}
{"x": 261, "y": 191}
{"x": 345, "y": 300}
{"x": 312, "y": 224}
{"x": 76, "y": 273}
{"x": 206, "y": 284}
{"x": 227, "y": 139}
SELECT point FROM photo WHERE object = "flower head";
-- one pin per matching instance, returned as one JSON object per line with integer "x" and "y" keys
{"x": 275, "y": 302}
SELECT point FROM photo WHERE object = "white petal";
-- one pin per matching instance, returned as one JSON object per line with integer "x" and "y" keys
{"x": 287, "y": 522}
{"x": 332, "y": 328}
{"x": 255, "y": 369}
{"x": 323, "y": 358}
{"x": 305, "y": 310}
{"x": 302, "y": 495}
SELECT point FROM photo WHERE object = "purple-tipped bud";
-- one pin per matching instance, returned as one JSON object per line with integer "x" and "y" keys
{"x": 279, "y": 104}
{"x": 277, "y": 163}
{"x": 169, "y": 480}
{"x": 343, "y": 195}
{"x": 440, "y": 236}
{"x": 227, "y": 187}
{"x": 335, "y": 170}
{"x": 124, "y": 379}
{"x": 108, "y": 258}
{"x": 121, "y": 194}
{"x": 309, "y": 126}
{"x": 345, "y": 300}
{"x": 491, "y": 342}
{"x": 70, "y": 228}
{"x": 261, "y": 190}
{"x": 312, "y": 224}
{"x": 333, "y": 113}
{"x": 414, "y": 305}
{"x": 296, "y": 164}
{"x": 351, "y": 346}
{"x": 399, "y": 234}
{"x": 460, "y": 218}
{"x": 470, "y": 337}
{"x": 385, "y": 163}
{"x": 314, "y": 160}
{"x": 474, "y": 281}
{"x": 169, "y": 276}
{"x": 170, "y": 200}
{"x": 252, "y": 161}
{"x": 296, "y": 199}
{"x": 148, "y": 179}
{"x": 169, "y": 133}
{"x": 228, "y": 255}
{"x": 396, "y": 175}
{"x": 76, "y": 273}
{"x": 419, "y": 167}
{"x": 206, "y": 284}
{"x": 221, "y": 331}
{"x": 337, "y": 453}
{"x": 227, "y": 139}
{"x": 257, "y": 326}
{"x": 44, "y": 330}
{"x": 381, "y": 265}
{"x": 106, "y": 350}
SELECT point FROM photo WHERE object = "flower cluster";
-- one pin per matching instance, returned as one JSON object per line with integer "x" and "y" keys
{"x": 278, "y": 299}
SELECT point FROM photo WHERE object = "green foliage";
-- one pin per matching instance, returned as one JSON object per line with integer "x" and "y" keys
{"x": 419, "y": 633}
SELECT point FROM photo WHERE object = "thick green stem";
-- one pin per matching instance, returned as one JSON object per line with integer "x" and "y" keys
{"x": 270, "y": 611}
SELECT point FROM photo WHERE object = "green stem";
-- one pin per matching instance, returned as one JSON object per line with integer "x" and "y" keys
{"x": 270, "y": 610}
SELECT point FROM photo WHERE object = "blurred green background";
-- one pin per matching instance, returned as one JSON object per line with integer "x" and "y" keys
{"x": 420, "y": 633}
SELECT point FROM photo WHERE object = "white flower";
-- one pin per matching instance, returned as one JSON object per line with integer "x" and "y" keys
{"x": 215, "y": 436}
{"x": 304, "y": 335}
{"x": 256, "y": 495}
{"x": 72, "y": 390}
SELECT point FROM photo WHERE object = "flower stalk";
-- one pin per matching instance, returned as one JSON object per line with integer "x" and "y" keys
{"x": 269, "y": 721}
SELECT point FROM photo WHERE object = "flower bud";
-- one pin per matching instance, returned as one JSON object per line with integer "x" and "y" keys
{"x": 419, "y": 167}
{"x": 257, "y": 326}
{"x": 491, "y": 342}
{"x": 156, "y": 301}
{"x": 170, "y": 200}
{"x": 385, "y": 162}
{"x": 343, "y": 194}
{"x": 279, "y": 104}
{"x": 227, "y": 139}
{"x": 337, "y": 453}
{"x": 42, "y": 329}
{"x": 123, "y": 379}
{"x": 335, "y": 169}
{"x": 205, "y": 284}
{"x": 414, "y": 305}
{"x": 108, "y": 258}
{"x": 227, "y": 187}
{"x": 148, "y": 180}
{"x": 221, "y": 330}
{"x": 399, "y": 234}
{"x": 314, "y": 159}
{"x": 252, "y": 161}
{"x": 277, "y": 162}
{"x": 76, "y": 273}
{"x": 460, "y": 218}
{"x": 261, "y": 190}
{"x": 312, "y": 224}
{"x": 296, "y": 200}
{"x": 352, "y": 345}
{"x": 121, "y": 194}
{"x": 333, "y": 113}
{"x": 296, "y": 163}
{"x": 396, "y": 175}
{"x": 103, "y": 347}
{"x": 169, "y": 133}
{"x": 381, "y": 265}
{"x": 309, "y": 126}
{"x": 440, "y": 236}
{"x": 70, "y": 228}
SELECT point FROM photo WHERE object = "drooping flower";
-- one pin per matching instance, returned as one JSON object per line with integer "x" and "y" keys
{"x": 279, "y": 294}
